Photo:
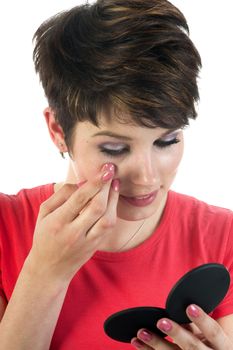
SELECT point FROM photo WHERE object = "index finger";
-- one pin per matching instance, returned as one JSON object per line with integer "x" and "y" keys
{"x": 148, "y": 340}
{"x": 81, "y": 197}
{"x": 67, "y": 190}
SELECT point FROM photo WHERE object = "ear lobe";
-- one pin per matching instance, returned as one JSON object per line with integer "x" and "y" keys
{"x": 55, "y": 130}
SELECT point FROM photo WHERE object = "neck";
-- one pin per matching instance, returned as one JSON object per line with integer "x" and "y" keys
{"x": 119, "y": 238}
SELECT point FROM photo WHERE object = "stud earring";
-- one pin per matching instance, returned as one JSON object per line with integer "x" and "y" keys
{"x": 62, "y": 155}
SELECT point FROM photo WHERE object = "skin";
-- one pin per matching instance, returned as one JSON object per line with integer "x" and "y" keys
{"x": 205, "y": 335}
{"x": 78, "y": 220}
{"x": 157, "y": 171}
{"x": 141, "y": 170}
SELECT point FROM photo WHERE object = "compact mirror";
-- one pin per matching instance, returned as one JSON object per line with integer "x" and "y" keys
{"x": 123, "y": 325}
{"x": 205, "y": 286}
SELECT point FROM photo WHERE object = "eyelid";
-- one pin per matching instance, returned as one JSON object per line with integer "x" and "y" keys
{"x": 118, "y": 146}
{"x": 170, "y": 136}
{"x": 113, "y": 145}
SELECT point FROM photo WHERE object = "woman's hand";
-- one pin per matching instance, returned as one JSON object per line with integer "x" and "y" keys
{"x": 72, "y": 224}
{"x": 211, "y": 335}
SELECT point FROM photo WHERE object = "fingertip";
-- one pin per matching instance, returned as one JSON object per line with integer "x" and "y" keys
{"x": 193, "y": 311}
{"x": 136, "y": 343}
{"x": 115, "y": 185}
{"x": 110, "y": 167}
{"x": 165, "y": 325}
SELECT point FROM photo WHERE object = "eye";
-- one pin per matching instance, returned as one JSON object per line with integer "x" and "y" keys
{"x": 160, "y": 143}
{"x": 114, "y": 152}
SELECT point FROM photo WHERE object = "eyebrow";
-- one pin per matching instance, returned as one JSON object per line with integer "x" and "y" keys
{"x": 112, "y": 134}
{"x": 126, "y": 138}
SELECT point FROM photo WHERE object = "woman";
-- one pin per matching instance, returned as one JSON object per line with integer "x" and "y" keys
{"x": 120, "y": 79}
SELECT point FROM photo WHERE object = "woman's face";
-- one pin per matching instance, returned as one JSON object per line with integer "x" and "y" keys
{"x": 146, "y": 162}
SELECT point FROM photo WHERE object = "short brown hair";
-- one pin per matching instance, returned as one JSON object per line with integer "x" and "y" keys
{"x": 133, "y": 55}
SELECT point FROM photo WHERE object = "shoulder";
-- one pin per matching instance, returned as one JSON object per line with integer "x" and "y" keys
{"x": 25, "y": 203}
{"x": 200, "y": 211}
{"x": 39, "y": 193}
{"x": 207, "y": 228}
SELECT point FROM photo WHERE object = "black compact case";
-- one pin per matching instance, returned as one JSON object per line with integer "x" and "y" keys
{"x": 206, "y": 286}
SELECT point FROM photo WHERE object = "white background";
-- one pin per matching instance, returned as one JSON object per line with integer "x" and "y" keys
{"x": 28, "y": 157}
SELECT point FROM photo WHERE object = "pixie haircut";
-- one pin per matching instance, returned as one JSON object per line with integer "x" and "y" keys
{"x": 131, "y": 57}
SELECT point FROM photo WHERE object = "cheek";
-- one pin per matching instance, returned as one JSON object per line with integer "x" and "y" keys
{"x": 170, "y": 161}
{"x": 88, "y": 165}
{"x": 85, "y": 169}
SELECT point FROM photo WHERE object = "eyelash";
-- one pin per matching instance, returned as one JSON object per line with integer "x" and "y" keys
{"x": 159, "y": 143}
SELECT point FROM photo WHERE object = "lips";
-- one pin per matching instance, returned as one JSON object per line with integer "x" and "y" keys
{"x": 140, "y": 201}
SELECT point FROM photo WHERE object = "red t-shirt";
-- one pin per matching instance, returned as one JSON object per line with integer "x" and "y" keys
{"x": 190, "y": 233}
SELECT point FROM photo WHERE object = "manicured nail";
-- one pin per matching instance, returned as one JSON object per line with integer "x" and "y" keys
{"x": 115, "y": 185}
{"x": 193, "y": 311}
{"x": 108, "y": 171}
{"x": 164, "y": 325}
{"x": 145, "y": 335}
{"x": 135, "y": 342}
{"x": 108, "y": 167}
{"x": 107, "y": 176}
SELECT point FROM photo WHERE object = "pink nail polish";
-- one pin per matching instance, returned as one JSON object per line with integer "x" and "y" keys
{"x": 164, "y": 325}
{"x": 108, "y": 170}
{"x": 108, "y": 167}
{"x": 193, "y": 311}
{"x": 137, "y": 343}
{"x": 115, "y": 185}
{"x": 145, "y": 335}
{"x": 107, "y": 176}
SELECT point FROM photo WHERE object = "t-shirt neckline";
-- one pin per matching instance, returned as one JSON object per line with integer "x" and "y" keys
{"x": 148, "y": 244}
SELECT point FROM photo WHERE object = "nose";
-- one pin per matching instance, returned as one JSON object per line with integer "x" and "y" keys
{"x": 144, "y": 171}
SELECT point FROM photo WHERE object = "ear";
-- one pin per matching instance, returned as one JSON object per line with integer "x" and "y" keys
{"x": 55, "y": 130}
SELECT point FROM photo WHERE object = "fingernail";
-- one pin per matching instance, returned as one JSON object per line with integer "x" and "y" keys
{"x": 164, "y": 325}
{"x": 115, "y": 185}
{"x": 108, "y": 170}
{"x": 136, "y": 343}
{"x": 145, "y": 335}
{"x": 108, "y": 167}
{"x": 107, "y": 176}
{"x": 193, "y": 311}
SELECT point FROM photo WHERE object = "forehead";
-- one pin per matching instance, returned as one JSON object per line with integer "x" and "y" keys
{"x": 111, "y": 118}
{"x": 114, "y": 129}
{"x": 114, "y": 122}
